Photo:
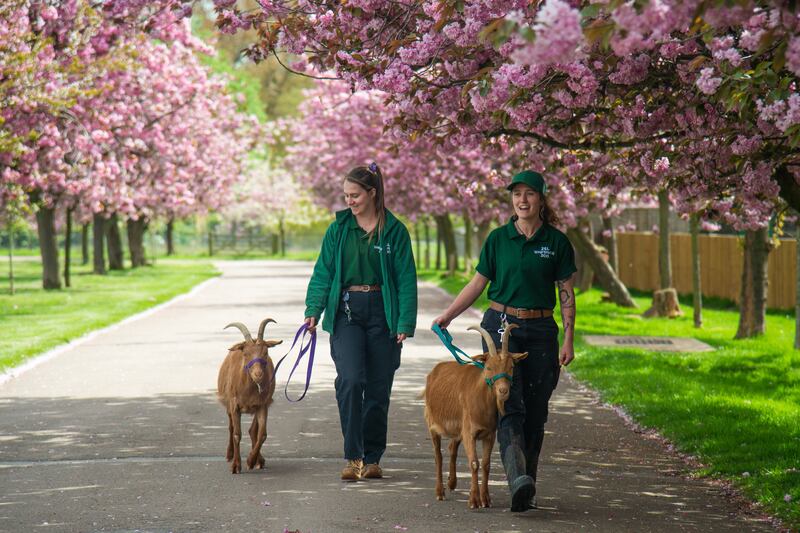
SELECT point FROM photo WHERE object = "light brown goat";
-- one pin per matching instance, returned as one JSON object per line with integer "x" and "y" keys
{"x": 245, "y": 385}
{"x": 462, "y": 402}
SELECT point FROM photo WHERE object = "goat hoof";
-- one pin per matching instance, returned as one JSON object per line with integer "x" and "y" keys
{"x": 440, "y": 497}
{"x": 236, "y": 468}
{"x": 260, "y": 462}
{"x": 451, "y": 484}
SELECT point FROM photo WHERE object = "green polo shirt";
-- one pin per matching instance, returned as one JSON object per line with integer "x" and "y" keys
{"x": 522, "y": 273}
{"x": 361, "y": 260}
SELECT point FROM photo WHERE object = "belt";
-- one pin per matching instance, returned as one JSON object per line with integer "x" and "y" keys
{"x": 521, "y": 313}
{"x": 363, "y": 288}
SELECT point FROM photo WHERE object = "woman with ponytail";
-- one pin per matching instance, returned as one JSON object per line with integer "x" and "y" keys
{"x": 524, "y": 262}
{"x": 365, "y": 283}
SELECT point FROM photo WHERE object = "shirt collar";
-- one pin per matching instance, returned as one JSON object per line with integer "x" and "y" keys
{"x": 511, "y": 230}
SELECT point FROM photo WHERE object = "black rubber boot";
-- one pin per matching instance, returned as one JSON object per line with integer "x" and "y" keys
{"x": 520, "y": 484}
{"x": 532, "y": 450}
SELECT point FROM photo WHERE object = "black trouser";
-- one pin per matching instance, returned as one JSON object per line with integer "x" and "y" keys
{"x": 366, "y": 356}
{"x": 533, "y": 382}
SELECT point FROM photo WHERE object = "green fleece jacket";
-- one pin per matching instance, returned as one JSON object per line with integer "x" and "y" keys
{"x": 399, "y": 286}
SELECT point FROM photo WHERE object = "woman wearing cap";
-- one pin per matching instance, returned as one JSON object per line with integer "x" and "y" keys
{"x": 524, "y": 262}
{"x": 365, "y": 282}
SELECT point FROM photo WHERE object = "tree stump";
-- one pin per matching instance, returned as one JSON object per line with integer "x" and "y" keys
{"x": 665, "y": 304}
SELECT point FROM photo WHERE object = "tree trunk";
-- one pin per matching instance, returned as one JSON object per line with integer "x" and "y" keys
{"x": 605, "y": 276}
{"x": 136, "y": 229}
{"x": 610, "y": 242}
{"x": 98, "y": 243}
{"x": 11, "y": 259}
{"x": 445, "y": 227}
{"x": 438, "y": 248}
{"x": 67, "y": 246}
{"x": 85, "y": 244}
{"x": 115, "y": 256}
{"x": 282, "y": 232}
{"x": 468, "y": 235}
{"x": 482, "y": 233}
{"x": 585, "y": 271}
{"x": 797, "y": 287}
{"x": 664, "y": 260}
{"x": 234, "y": 229}
{"x": 210, "y": 241}
{"x": 753, "y": 299}
{"x": 427, "y": 245}
{"x": 46, "y": 226}
{"x": 697, "y": 290}
{"x": 417, "y": 239}
{"x": 170, "y": 236}
{"x": 665, "y": 304}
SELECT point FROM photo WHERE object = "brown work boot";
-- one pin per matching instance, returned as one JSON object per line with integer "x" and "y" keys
{"x": 372, "y": 471}
{"x": 352, "y": 471}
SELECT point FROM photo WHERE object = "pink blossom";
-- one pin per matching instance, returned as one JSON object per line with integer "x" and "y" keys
{"x": 707, "y": 82}
{"x": 559, "y": 36}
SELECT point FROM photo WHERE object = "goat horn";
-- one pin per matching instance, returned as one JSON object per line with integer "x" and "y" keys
{"x": 487, "y": 338}
{"x": 241, "y": 328}
{"x": 263, "y": 326}
{"x": 506, "y": 334}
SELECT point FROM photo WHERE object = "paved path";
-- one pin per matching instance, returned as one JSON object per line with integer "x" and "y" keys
{"x": 123, "y": 433}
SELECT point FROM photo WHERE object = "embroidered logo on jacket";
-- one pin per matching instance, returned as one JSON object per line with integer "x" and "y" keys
{"x": 545, "y": 252}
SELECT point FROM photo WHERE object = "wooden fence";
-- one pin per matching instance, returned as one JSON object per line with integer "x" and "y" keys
{"x": 720, "y": 266}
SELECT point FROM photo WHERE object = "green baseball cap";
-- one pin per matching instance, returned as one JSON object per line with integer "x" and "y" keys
{"x": 532, "y": 179}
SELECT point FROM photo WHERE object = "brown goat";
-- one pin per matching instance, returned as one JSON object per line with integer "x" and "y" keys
{"x": 462, "y": 402}
{"x": 245, "y": 385}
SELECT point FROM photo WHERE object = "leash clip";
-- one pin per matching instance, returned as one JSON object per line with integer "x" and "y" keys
{"x": 503, "y": 323}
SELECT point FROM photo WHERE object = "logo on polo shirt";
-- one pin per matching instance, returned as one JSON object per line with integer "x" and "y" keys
{"x": 378, "y": 247}
{"x": 544, "y": 252}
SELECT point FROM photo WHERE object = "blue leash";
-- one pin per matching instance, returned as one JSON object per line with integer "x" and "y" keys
{"x": 457, "y": 352}
{"x": 309, "y": 348}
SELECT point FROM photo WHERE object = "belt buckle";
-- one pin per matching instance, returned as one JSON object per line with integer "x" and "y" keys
{"x": 521, "y": 312}
{"x": 364, "y": 288}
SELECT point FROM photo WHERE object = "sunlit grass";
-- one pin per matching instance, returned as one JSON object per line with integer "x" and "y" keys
{"x": 34, "y": 320}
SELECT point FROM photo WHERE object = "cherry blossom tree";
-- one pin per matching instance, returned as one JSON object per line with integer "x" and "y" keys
{"x": 697, "y": 98}
{"x": 103, "y": 119}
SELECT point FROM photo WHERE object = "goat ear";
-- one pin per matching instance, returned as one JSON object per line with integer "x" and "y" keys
{"x": 481, "y": 357}
{"x": 518, "y": 356}
{"x": 272, "y": 343}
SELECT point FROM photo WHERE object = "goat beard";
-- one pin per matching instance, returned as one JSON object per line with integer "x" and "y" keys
{"x": 501, "y": 406}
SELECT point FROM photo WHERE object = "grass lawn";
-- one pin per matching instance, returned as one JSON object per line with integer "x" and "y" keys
{"x": 737, "y": 409}
{"x": 33, "y": 320}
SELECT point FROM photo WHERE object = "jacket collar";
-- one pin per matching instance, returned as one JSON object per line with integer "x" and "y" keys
{"x": 345, "y": 216}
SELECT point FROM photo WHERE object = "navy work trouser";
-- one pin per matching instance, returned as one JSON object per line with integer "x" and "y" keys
{"x": 366, "y": 356}
{"x": 533, "y": 382}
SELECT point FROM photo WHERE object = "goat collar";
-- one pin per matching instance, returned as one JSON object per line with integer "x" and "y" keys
{"x": 491, "y": 381}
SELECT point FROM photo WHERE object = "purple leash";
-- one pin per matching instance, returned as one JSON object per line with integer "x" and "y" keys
{"x": 309, "y": 348}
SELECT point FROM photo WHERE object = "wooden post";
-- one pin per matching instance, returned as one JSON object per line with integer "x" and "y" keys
{"x": 797, "y": 287}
